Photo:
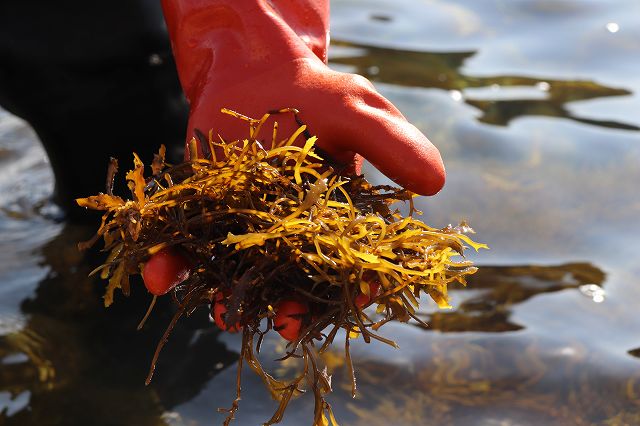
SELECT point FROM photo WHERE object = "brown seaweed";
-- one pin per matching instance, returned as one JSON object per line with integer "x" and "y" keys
{"x": 264, "y": 225}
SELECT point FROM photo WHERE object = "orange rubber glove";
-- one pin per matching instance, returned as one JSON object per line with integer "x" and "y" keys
{"x": 254, "y": 56}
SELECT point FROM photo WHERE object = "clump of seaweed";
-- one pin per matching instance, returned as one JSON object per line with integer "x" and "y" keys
{"x": 266, "y": 225}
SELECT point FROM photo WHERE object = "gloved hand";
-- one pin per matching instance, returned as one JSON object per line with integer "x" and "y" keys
{"x": 253, "y": 56}
{"x": 257, "y": 55}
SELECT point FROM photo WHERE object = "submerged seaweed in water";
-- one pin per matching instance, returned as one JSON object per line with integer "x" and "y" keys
{"x": 263, "y": 226}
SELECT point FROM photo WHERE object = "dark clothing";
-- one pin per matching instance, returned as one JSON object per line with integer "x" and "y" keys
{"x": 95, "y": 80}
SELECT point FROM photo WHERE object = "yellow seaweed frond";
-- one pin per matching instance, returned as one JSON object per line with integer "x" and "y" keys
{"x": 262, "y": 225}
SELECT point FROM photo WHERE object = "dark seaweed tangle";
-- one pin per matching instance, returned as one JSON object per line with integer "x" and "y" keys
{"x": 264, "y": 225}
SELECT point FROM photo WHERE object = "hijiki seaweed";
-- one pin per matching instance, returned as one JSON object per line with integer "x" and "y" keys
{"x": 266, "y": 225}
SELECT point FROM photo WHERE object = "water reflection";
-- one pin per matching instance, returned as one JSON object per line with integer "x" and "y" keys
{"x": 76, "y": 362}
{"x": 500, "y": 288}
{"x": 482, "y": 380}
{"x": 445, "y": 70}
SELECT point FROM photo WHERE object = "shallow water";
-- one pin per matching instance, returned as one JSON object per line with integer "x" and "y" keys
{"x": 535, "y": 108}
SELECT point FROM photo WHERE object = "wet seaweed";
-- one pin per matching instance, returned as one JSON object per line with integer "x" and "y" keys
{"x": 266, "y": 225}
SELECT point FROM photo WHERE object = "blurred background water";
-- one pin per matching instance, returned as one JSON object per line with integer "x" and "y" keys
{"x": 534, "y": 105}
